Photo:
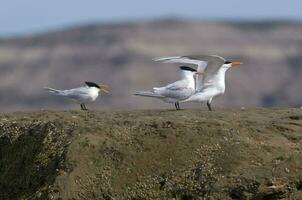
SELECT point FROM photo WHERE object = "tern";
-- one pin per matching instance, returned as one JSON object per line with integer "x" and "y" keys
{"x": 81, "y": 95}
{"x": 212, "y": 84}
{"x": 176, "y": 91}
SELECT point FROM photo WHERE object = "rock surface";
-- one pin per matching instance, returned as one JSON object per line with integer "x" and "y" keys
{"x": 158, "y": 154}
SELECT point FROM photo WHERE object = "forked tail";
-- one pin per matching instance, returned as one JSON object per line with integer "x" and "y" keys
{"x": 53, "y": 91}
{"x": 147, "y": 94}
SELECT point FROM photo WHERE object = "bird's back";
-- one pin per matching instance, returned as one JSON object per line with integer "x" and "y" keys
{"x": 178, "y": 90}
{"x": 82, "y": 94}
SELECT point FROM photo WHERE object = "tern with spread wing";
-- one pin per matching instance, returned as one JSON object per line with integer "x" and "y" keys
{"x": 177, "y": 91}
{"x": 81, "y": 95}
{"x": 212, "y": 84}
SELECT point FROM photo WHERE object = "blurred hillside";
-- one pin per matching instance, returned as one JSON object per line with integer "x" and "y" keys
{"x": 120, "y": 55}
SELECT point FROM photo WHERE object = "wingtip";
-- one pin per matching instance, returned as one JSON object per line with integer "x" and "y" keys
{"x": 135, "y": 92}
{"x": 157, "y": 59}
{"x": 165, "y": 59}
{"x": 217, "y": 56}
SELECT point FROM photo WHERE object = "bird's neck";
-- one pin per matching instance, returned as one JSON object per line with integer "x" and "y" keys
{"x": 220, "y": 78}
{"x": 192, "y": 82}
{"x": 94, "y": 92}
{"x": 186, "y": 74}
{"x": 189, "y": 77}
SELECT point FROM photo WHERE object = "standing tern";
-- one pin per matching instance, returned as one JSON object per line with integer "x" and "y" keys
{"x": 177, "y": 91}
{"x": 212, "y": 84}
{"x": 81, "y": 95}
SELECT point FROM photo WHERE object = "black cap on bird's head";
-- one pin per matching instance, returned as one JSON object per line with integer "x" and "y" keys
{"x": 190, "y": 69}
{"x": 103, "y": 88}
{"x": 186, "y": 68}
{"x": 92, "y": 84}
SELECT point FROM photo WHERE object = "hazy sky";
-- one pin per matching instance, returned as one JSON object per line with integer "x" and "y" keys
{"x": 31, "y": 16}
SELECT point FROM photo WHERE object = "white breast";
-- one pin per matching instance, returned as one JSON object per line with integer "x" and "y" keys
{"x": 93, "y": 93}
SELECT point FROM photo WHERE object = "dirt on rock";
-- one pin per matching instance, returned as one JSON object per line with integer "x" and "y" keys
{"x": 152, "y": 154}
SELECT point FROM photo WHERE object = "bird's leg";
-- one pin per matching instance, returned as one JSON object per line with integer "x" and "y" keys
{"x": 209, "y": 105}
{"x": 84, "y": 107}
{"x": 178, "y": 106}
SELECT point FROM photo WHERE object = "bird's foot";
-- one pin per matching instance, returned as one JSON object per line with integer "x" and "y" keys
{"x": 83, "y": 107}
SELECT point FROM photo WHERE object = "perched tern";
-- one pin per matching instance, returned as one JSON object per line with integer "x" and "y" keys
{"x": 81, "y": 95}
{"x": 212, "y": 84}
{"x": 177, "y": 91}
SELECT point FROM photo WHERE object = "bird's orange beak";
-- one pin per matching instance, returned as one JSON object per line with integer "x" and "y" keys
{"x": 199, "y": 73}
{"x": 236, "y": 63}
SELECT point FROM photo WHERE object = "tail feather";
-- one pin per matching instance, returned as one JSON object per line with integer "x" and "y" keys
{"x": 53, "y": 91}
{"x": 148, "y": 94}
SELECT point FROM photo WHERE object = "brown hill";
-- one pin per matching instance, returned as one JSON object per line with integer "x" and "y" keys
{"x": 120, "y": 56}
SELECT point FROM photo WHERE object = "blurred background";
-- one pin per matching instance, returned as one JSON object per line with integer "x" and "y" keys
{"x": 61, "y": 44}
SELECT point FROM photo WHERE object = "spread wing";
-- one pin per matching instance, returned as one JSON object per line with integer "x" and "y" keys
{"x": 210, "y": 64}
{"x": 214, "y": 62}
{"x": 201, "y": 65}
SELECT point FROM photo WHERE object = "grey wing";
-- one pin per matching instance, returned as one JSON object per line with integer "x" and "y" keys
{"x": 177, "y": 90}
{"x": 177, "y": 86}
{"x": 78, "y": 94}
{"x": 210, "y": 64}
{"x": 214, "y": 63}
{"x": 201, "y": 65}
{"x": 202, "y": 61}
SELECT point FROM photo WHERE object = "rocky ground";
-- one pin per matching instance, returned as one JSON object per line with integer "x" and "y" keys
{"x": 152, "y": 154}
